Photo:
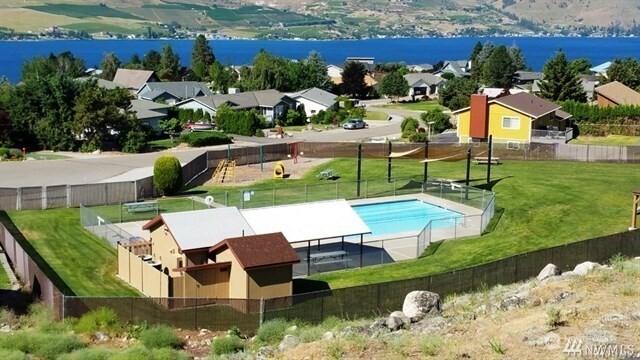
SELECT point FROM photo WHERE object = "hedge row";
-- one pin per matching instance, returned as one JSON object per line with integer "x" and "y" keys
{"x": 593, "y": 114}
{"x": 205, "y": 138}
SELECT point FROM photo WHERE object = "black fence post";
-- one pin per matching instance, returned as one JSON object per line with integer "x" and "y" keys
{"x": 489, "y": 162}
{"x": 359, "y": 170}
{"x": 426, "y": 161}
{"x": 389, "y": 163}
{"x": 466, "y": 190}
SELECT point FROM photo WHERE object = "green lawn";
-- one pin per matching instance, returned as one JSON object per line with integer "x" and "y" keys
{"x": 539, "y": 204}
{"x": 376, "y": 115}
{"x": 417, "y": 106}
{"x": 46, "y": 155}
{"x": 85, "y": 263}
{"x": 621, "y": 140}
{"x": 162, "y": 144}
{"x": 4, "y": 279}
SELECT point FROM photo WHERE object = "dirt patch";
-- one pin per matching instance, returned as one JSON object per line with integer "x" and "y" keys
{"x": 250, "y": 174}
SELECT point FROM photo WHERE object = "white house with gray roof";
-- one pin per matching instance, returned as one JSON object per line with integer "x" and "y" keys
{"x": 271, "y": 104}
{"x": 172, "y": 92}
{"x": 149, "y": 113}
{"x": 423, "y": 84}
{"x": 314, "y": 100}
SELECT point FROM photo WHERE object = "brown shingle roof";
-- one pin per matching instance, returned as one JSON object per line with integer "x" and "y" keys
{"x": 528, "y": 104}
{"x": 259, "y": 251}
{"x": 132, "y": 79}
{"x": 619, "y": 93}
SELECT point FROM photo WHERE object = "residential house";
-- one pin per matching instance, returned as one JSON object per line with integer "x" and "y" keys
{"x": 459, "y": 68}
{"x": 419, "y": 68}
{"x": 368, "y": 62}
{"x": 601, "y": 69}
{"x": 150, "y": 113}
{"x": 589, "y": 84}
{"x": 314, "y": 100}
{"x": 335, "y": 74}
{"x": 134, "y": 79}
{"x": 514, "y": 119}
{"x": 616, "y": 93}
{"x": 271, "y": 104}
{"x": 423, "y": 84}
{"x": 527, "y": 80}
{"x": 173, "y": 92}
{"x": 493, "y": 93}
{"x": 214, "y": 253}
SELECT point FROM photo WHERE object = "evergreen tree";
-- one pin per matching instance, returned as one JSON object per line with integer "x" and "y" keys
{"x": 455, "y": 93}
{"x": 169, "y": 65}
{"x": 394, "y": 85}
{"x": 62, "y": 64}
{"x": 477, "y": 48}
{"x": 221, "y": 77}
{"x": 353, "y": 79}
{"x": 151, "y": 61}
{"x": 626, "y": 71}
{"x": 134, "y": 63}
{"x": 201, "y": 58}
{"x": 517, "y": 57}
{"x": 109, "y": 66}
{"x": 313, "y": 73}
{"x": 478, "y": 64}
{"x": 498, "y": 69}
{"x": 561, "y": 82}
{"x": 581, "y": 66}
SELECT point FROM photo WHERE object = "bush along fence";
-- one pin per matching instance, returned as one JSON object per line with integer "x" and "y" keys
{"x": 353, "y": 302}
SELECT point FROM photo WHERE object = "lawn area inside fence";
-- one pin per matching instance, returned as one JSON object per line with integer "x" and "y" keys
{"x": 538, "y": 205}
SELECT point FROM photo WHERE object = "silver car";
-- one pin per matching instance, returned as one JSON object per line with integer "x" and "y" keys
{"x": 353, "y": 124}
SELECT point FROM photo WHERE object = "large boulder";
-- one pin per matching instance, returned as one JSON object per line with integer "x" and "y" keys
{"x": 585, "y": 268}
{"x": 397, "y": 320}
{"x": 548, "y": 271}
{"x": 417, "y": 304}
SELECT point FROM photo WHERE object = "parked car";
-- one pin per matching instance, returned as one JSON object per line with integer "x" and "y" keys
{"x": 353, "y": 124}
{"x": 199, "y": 126}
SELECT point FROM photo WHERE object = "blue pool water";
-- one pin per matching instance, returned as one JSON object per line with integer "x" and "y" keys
{"x": 403, "y": 216}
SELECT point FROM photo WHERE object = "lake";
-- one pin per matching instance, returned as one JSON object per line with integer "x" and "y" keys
{"x": 237, "y": 52}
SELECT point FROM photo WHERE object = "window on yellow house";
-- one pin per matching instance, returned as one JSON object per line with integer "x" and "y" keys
{"x": 510, "y": 122}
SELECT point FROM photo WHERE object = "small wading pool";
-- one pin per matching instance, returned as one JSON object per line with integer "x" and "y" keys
{"x": 404, "y": 216}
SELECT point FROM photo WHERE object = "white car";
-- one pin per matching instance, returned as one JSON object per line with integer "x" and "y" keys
{"x": 353, "y": 124}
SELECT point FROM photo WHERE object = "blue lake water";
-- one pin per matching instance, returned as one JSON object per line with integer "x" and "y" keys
{"x": 403, "y": 216}
{"x": 410, "y": 51}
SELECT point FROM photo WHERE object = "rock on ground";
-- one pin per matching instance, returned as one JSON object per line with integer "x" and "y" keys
{"x": 288, "y": 342}
{"x": 585, "y": 268}
{"x": 548, "y": 271}
{"x": 397, "y": 320}
{"x": 417, "y": 304}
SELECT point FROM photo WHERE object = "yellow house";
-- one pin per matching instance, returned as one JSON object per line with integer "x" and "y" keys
{"x": 211, "y": 253}
{"x": 512, "y": 119}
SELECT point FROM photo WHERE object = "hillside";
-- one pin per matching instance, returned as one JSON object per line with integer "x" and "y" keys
{"x": 313, "y": 19}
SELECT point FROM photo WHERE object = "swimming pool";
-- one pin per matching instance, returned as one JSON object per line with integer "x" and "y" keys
{"x": 403, "y": 216}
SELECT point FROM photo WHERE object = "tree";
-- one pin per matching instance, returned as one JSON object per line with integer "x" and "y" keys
{"x": 110, "y": 64}
{"x": 478, "y": 64}
{"x": 561, "y": 82}
{"x": 581, "y": 66}
{"x": 295, "y": 117}
{"x": 151, "y": 61}
{"x": 134, "y": 63}
{"x": 477, "y": 48}
{"x": 99, "y": 114}
{"x": 62, "y": 64}
{"x": 311, "y": 72}
{"x": 170, "y": 126}
{"x": 498, "y": 69}
{"x": 169, "y": 69}
{"x": 269, "y": 72}
{"x": 167, "y": 175}
{"x": 202, "y": 58}
{"x": 455, "y": 93}
{"x": 221, "y": 77}
{"x": 626, "y": 71}
{"x": 517, "y": 57}
{"x": 353, "y": 79}
{"x": 409, "y": 124}
{"x": 394, "y": 85}
{"x": 438, "y": 120}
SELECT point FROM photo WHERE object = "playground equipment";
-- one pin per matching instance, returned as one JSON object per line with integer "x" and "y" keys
{"x": 225, "y": 170}
{"x": 278, "y": 170}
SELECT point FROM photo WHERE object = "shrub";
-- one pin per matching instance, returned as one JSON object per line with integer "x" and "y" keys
{"x": 135, "y": 141}
{"x": 4, "y": 153}
{"x": 43, "y": 345}
{"x": 335, "y": 349}
{"x": 12, "y": 355}
{"x": 594, "y": 114}
{"x": 205, "y": 138}
{"x": 409, "y": 124}
{"x": 554, "y": 318}
{"x": 226, "y": 345}
{"x": 96, "y": 353}
{"x": 167, "y": 175}
{"x": 101, "y": 319}
{"x": 238, "y": 122}
{"x": 160, "y": 336}
{"x": 439, "y": 119}
{"x": 272, "y": 331}
{"x": 417, "y": 137}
